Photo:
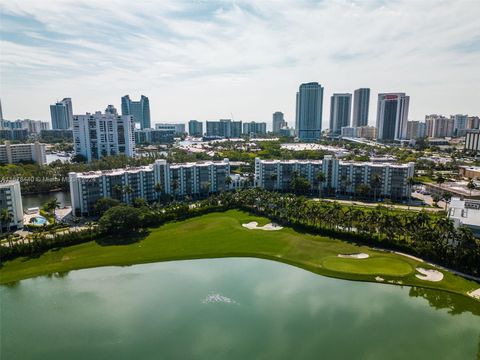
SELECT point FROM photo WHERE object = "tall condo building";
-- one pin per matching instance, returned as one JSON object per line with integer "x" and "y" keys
{"x": 195, "y": 128}
{"x": 361, "y": 103}
{"x": 140, "y": 110}
{"x": 472, "y": 141}
{"x": 111, "y": 110}
{"x": 473, "y": 122}
{"x": 33, "y": 126}
{"x": 459, "y": 124}
{"x": 62, "y": 114}
{"x": 340, "y": 112}
{"x": 97, "y": 135}
{"x": 278, "y": 122}
{"x": 438, "y": 126}
{"x": 254, "y": 128}
{"x": 415, "y": 130}
{"x": 392, "y": 116}
{"x": 179, "y": 128}
{"x": 308, "y": 120}
{"x": 225, "y": 128}
{"x": 1, "y": 112}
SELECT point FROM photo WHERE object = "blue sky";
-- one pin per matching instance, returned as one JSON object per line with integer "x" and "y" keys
{"x": 211, "y": 59}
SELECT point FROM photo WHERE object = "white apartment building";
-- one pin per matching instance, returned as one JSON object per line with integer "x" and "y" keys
{"x": 438, "y": 126}
{"x": 11, "y": 199}
{"x": 386, "y": 180}
{"x": 147, "y": 182}
{"x": 97, "y": 135}
{"x": 472, "y": 141}
{"x": 17, "y": 153}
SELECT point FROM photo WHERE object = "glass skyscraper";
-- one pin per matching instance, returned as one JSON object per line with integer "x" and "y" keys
{"x": 195, "y": 128}
{"x": 278, "y": 122}
{"x": 340, "y": 112}
{"x": 140, "y": 110}
{"x": 62, "y": 114}
{"x": 309, "y": 111}
{"x": 361, "y": 102}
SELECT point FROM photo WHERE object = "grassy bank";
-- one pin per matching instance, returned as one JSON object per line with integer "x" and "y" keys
{"x": 222, "y": 235}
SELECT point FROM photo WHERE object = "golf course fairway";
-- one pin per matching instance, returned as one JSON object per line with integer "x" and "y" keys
{"x": 222, "y": 235}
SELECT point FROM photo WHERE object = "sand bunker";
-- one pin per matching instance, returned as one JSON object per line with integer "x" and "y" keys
{"x": 354, "y": 256}
{"x": 475, "y": 294}
{"x": 429, "y": 274}
{"x": 269, "y": 227}
{"x": 378, "y": 278}
{"x": 409, "y": 256}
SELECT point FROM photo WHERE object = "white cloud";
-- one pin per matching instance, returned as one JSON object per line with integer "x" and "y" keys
{"x": 205, "y": 60}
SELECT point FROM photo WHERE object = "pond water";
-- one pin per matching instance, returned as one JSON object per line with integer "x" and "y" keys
{"x": 230, "y": 309}
{"x": 29, "y": 201}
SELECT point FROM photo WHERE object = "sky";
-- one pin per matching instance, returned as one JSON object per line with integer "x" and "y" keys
{"x": 207, "y": 60}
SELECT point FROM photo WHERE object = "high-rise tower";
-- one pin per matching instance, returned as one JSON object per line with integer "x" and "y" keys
{"x": 361, "y": 102}
{"x": 309, "y": 111}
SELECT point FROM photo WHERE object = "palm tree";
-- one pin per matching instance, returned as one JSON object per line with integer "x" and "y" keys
{"x": 50, "y": 206}
{"x": 118, "y": 190}
{"x": 363, "y": 189}
{"x": 321, "y": 179}
{"x": 228, "y": 181}
{"x": 175, "y": 186}
{"x": 440, "y": 179}
{"x": 410, "y": 183}
{"x": 447, "y": 196}
{"x": 5, "y": 219}
{"x": 274, "y": 177}
{"x": 158, "y": 189}
{"x": 376, "y": 181}
{"x": 471, "y": 185}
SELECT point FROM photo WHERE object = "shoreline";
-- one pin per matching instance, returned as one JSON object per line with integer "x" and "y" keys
{"x": 179, "y": 242}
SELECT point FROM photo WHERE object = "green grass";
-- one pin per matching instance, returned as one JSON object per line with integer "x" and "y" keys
{"x": 371, "y": 266}
{"x": 222, "y": 235}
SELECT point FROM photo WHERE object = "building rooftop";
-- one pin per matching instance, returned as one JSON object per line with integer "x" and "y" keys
{"x": 9, "y": 183}
{"x": 457, "y": 187}
{"x": 354, "y": 163}
{"x": 465, "y": 212}
{"x": 471, "y": 168}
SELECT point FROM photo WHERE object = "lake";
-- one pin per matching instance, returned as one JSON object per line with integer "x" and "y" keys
{"x": 29, "y": 201}
{"x": 233, "y": 308}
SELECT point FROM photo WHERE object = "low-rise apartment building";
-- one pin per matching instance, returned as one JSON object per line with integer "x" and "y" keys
{"x": 384, "y": 180}
{"x": 147, "y": 182}
{"x": 17, "y": 153}
{"x": 11, "y": 200}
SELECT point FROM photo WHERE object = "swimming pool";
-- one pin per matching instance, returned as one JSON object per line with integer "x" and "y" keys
{"x": 38, "y": 220}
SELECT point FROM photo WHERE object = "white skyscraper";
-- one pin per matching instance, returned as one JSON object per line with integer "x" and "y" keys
{"x": 97, "y": 135}
{"x": 392, "y": 116}
{"x": 278, "y": 122}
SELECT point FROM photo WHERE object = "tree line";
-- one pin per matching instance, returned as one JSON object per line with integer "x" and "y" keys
{"x": 431, "y": 236}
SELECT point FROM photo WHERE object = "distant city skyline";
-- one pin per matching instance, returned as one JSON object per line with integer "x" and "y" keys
{"x": 209, "y": 60}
